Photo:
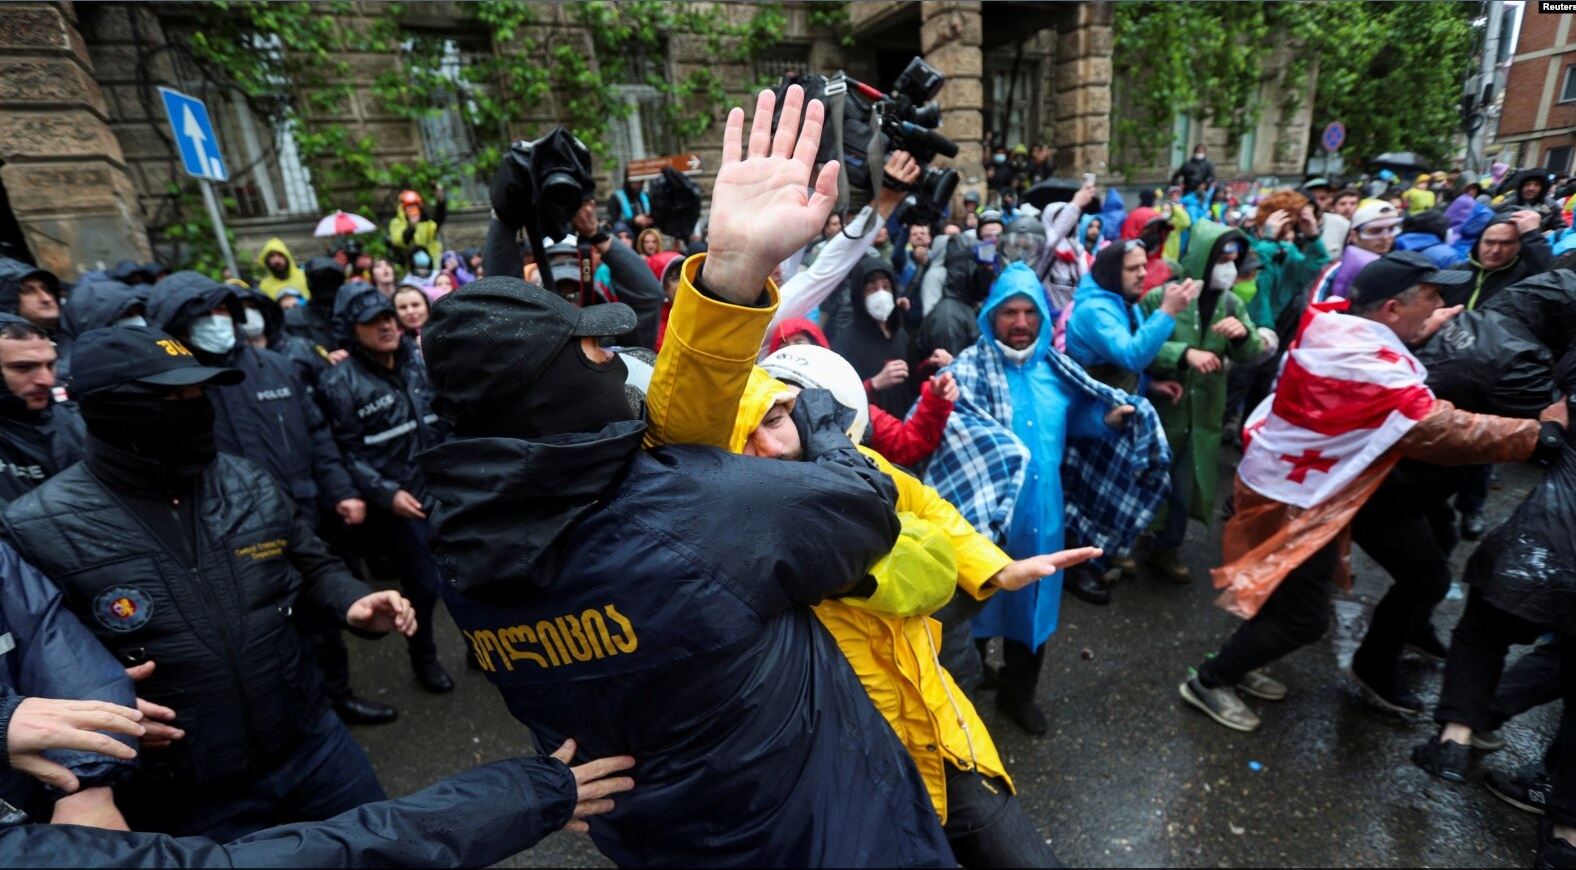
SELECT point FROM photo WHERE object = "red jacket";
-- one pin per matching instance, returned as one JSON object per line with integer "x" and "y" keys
{"x": 904, "y": 442}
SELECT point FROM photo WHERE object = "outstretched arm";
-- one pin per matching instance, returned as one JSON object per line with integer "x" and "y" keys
{"x": 760, "y": 213}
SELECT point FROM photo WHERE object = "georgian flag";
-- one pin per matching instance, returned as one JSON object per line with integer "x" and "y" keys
{"x": 1348, "y": 390}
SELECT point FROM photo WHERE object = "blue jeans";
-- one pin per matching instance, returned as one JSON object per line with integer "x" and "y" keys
{"x": 1178, "y": 499}
{"x": 327, "y": 774}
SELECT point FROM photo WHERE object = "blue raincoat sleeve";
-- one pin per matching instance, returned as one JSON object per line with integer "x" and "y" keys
{"x": 474, "y": 819}
{"x": 49, "y": 654}
{"x": 1098, "y": 332}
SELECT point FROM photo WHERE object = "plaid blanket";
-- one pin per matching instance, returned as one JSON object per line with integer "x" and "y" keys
{"x": 1112, "y": 486}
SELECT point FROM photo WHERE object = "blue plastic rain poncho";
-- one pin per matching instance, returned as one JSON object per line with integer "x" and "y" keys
{"x": 1112, "y": 214}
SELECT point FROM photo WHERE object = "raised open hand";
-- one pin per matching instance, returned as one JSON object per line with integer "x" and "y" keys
{"x": 762, "y": 208}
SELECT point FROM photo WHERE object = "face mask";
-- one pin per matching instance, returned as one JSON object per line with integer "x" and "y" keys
{"x": 1000, "y": 159}
{"x": 131, "y": 320}
{"x": 252, "y": 326}
{"x": 985, "y": 252}
{"x": 1222, "y": 276}
{"x": 880, "y": 304}
{"x": 213, "y": 333}
{"x": 177, "y": 433}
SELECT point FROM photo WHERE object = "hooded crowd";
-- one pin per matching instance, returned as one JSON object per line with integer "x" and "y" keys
{"x": 744, "y": 524}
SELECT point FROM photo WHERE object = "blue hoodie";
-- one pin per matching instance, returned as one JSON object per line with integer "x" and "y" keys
{"x": 1106, "y": 330}
{"x": 1114, "y": 212}
{"x": 1045, "y": 410}
{"x": 1471, "y": 228}
{"x": 1083, "y": 232}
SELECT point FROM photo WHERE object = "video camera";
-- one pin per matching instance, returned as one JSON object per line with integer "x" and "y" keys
{"x": 905, "y": 119}
{"x": 542, "y": 184}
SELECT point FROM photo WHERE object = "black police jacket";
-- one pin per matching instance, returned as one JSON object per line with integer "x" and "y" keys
{"x": 314, "y": 323}
{"x": 472, "y": 819}
{"x": 382, "y": 419}
{"x": 269, "y": 419}
{"x": 36, "y": 445}
{"x": 657, "y": 603}
{"x": 215, "y": 618}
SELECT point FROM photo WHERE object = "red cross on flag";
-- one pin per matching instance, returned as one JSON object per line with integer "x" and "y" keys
{"x": 1348, "y": 390}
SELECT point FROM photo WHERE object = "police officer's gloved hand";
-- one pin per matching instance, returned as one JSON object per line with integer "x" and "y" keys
{"x": 511, "y": 186}
{"x": 823, "y": 433}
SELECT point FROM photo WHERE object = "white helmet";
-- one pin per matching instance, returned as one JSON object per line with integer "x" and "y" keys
{"x": 812, "y": 367}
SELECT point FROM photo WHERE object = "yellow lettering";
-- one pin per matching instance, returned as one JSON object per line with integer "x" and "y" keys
{"x": 555, "y": 650}
{"x": 520, "y": 634}
{"x": 479, "y": 649}
{"x": 574, "y": 639}
{"x": 173, "y": 347}
{"x": 628, "y": 642}
{"x": 587, "y": 619}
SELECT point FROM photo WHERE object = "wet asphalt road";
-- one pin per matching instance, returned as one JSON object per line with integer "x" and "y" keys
{"x": 1129, "y": 775}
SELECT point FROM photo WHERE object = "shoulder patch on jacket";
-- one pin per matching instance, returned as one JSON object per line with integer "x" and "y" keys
{"x": 123, "y": 608}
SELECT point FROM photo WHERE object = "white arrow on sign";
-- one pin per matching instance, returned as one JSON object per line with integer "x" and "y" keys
{"x": 193, "y": 131}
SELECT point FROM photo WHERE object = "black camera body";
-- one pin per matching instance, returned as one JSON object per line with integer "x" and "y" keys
{"x": 905, "y": 118}
{"x": 542, "y": 184}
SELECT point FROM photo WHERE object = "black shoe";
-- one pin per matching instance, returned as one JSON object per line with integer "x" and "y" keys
{"x": 1528, "y": 789}
{"x": 992, "y": 677}
{"x": 1446, "y": 760}
{"x": 1427, "y": 646}
{"x": 1472, "y": 526}
{"x": 358, "y": 711}
{"x": 1387, "y": 690}
{"x": 1086, "y": 584}
{"x": 1026, "y": 714}
{"x": 432, "y": 676}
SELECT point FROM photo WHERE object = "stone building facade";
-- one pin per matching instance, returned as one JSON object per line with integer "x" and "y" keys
{"x": 90, "y": 175}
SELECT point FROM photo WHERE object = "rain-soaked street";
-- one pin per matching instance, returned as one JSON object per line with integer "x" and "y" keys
{"x": 1129, "y": 776}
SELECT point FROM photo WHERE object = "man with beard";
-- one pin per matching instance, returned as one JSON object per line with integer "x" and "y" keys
{"x": 281, "y": 274}
{"x": 38, "y": 438}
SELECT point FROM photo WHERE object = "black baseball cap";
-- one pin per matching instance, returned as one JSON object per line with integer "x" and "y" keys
{"x": 1399, "y": 271}
{"x": 492, "y": 338}
{"x": 115, "y": 356}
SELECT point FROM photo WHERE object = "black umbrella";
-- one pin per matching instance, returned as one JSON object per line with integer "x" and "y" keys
{"x": 1399, "y": 161}
{"x": 1056, "y": 190}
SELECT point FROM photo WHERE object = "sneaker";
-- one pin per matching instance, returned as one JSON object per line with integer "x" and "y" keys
{"x": 1220, "y": 704}
{"x": 1170, "y": 566}
{"x": 1262, "y": 686}
{"x": 1528, "y": 789}
{"x": 1387, "y": 691}
{"x": 1026, "y": 714}
{"x": 1445, "y": 759}
{"x": 1428, "y": 646}
{"x": 1487, "y": 741}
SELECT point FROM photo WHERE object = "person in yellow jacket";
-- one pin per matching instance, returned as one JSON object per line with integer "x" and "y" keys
{"x": 705, "y": 389}
{"x": 413, "y": 227}
{"x": 279, "y": 271}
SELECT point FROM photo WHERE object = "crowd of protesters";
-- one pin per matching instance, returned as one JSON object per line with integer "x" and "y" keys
{"x": 562, "y": 445}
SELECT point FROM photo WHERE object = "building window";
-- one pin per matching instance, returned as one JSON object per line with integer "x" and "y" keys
{"x": 1568, "y": 89}
{"x": 1557, "y": 160}
{"x": 773, "y": 63}
{"x": 1009, "y": 104}
{"x": 267, "y": 175}
{"x": 643, "y": 130}
{"x": 447, "y": 137}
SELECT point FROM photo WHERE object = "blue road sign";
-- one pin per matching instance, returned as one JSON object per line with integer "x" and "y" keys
{"x": 1334, "y": 136}
{"x": 193, "y": 132}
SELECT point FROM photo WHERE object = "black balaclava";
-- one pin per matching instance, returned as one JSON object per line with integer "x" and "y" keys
{"x": 175, "y": 433}
{"x": 573, "y": 394}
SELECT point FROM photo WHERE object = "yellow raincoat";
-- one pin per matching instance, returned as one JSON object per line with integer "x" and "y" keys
{"x": 706, "y": 390}
{"x": 295, "y": 279}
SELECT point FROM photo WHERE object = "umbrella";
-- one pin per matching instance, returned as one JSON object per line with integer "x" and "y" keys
{"x": 342, "y": 223}
{"x": 1400, "y": 161}
{"x": 1056, "y": 190}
